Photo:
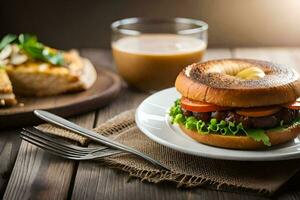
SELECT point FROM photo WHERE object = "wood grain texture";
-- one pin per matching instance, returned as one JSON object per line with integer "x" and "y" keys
{"x": 101, "y": 93}
{"x": 40, "y": 175}
{"x": 9, "y": 146}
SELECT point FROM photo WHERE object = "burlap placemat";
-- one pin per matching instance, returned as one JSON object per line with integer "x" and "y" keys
{"x": 187, "y": 170}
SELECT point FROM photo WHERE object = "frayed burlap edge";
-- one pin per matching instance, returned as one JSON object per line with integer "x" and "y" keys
{"x": 183, "y": 180}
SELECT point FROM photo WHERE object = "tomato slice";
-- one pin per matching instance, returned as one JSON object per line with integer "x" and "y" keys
{"x": 293, "y": 106}
{"x": 198, "y": 106}
{"x": 258, "y": 111}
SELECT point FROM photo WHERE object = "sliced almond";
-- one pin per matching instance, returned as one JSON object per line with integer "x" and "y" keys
{"x": 15, "y": 49}
{"x": 6, "y": 52}
{"x": 17, "y": 59}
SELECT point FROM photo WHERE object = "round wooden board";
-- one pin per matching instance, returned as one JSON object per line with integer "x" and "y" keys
{"x": 104, "y": 90}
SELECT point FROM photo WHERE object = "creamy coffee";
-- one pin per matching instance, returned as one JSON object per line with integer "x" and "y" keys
{"x": 152, "y": 61}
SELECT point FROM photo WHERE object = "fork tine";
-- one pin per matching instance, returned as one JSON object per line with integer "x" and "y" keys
{"x": 48, "y": 148}
{"x": 61, "y": 122}
{"x": 47, "y": 136}
{"x": 60, "y": 142}
{"x": 90, "y": 154}
{"x": 53, "y": 145}
{"x": 52, "y": 141}
{"x": 66, "y": 155}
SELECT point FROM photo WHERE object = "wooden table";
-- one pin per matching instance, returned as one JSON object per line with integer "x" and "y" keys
{"x": 27, "y": 172}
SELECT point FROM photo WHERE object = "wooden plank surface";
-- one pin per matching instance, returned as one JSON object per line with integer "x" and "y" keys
{"x": 39, "y": 175}
{"x": 9, "y": 146}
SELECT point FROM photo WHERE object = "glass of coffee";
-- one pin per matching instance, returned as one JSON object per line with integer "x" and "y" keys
{"x": 149, "y": 53}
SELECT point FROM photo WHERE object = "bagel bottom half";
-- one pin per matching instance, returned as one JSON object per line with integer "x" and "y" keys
{"x": 244, "y": 142}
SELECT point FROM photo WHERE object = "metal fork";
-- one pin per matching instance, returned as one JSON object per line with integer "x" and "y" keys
{"x": 64, "y": 149}
{"x": 61, "y": 122}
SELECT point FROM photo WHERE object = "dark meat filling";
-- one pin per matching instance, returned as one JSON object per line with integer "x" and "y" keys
{"x": 285, "y": 115}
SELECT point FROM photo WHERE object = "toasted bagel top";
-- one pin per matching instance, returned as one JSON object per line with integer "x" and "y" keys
{"x": 216, "y": 82}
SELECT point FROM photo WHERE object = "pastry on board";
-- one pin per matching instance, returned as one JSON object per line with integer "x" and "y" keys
{"x": 29, "y": 68}
{"x": 7, "y": 96}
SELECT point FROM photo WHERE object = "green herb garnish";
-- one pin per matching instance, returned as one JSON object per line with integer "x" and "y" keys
{"x": 39, "y": 51}
{"x": 33, "y": 48}
{"x": 9, "y": 38}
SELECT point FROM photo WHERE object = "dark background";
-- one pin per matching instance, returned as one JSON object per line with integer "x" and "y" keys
{"x": 79, "y": 23}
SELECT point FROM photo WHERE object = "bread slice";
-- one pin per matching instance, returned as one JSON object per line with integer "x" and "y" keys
{"x": 244, "y": 142}
{"x": 7, "y": 98}
{"x": 280, "y": 85}
{"x": 43, "y": 79}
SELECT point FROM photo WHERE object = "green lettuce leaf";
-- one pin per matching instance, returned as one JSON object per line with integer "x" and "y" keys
{"x": 204, "y": 129}
{"x": 213, "y": 126}
{"x": 191, "y": 123}
{"x": 233, "y": 128}
{"x": 225, "y": 131}
{"x": 179, "y": 119}
{"x": 175, "y": 110}
{"x": 258, "y": 135}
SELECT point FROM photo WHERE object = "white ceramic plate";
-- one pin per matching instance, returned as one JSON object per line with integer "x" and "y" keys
{"x": 152, "y": 118}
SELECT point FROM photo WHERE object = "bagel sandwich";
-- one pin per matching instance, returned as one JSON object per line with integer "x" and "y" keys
{"x": 238, "y": 103}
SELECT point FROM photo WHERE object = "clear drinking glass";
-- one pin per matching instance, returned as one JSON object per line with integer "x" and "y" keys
{"x": 150, "y": 53}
